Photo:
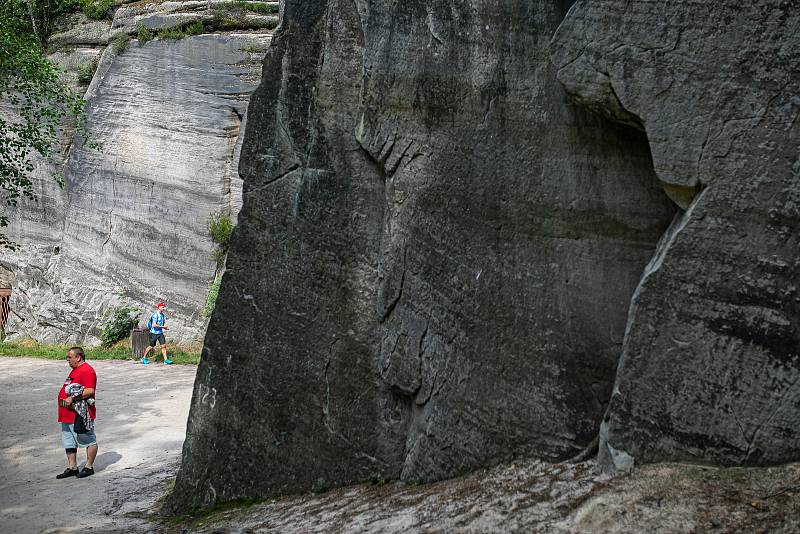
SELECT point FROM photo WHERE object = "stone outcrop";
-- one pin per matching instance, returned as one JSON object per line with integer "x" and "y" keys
{"x": 216, "y": 13}
{"x": 710, "y": 367}
{"x": 434, "y": 258}
{"x": 129, "y": 227}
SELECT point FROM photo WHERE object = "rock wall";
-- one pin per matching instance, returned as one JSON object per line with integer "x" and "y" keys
{"x": 710, "y": 367}
{"x": 434, "y": 259}
{"x": 129, "y": 228}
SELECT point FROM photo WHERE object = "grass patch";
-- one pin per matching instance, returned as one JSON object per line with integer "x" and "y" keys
{"x": 121, "y": 42}
{"x": 254, "y": 49}
{"x": 261, "y": 8}
{"x": 179, "y": 32}
{"x": 143, "y": 34}
{"x": 228, "y": 18}
{"x": 118, "y": 351}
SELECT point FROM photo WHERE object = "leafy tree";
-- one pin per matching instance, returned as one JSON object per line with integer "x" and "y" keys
{"x": 37, "y": 17}
{"x": 42, "y": 105}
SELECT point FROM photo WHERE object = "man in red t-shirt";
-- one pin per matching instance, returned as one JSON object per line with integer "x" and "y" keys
{"x": 83, "y": 374}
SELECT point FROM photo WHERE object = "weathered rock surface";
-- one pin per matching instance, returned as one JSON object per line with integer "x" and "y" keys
{"x": 130, "y": 225}
{"x": 710, "y": 369}
{"x": 434, "y": 259}
{"x": 220, "y": 12}
{"x": 532, "y": 496}
{"x": 78, "y": 29}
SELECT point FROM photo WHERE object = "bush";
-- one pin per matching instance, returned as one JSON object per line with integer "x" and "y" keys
{"x": 86, "y": 71}
{"x": 121, "y": 43}
{"x": 195, "y": 29}
{"x": 119, "y": 325}
{"x": 220, "y": 227}
{"x": 96, "y": 9}
{"x": 211, "y": 298}
{"x": 174, "y": 32}
{"x": 143, "y": 34}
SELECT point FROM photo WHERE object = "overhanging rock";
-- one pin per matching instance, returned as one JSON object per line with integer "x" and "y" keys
{"x": 710, "y": 369}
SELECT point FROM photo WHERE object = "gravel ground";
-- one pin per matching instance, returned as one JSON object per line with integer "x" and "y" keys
{"x": 139, "y": 445}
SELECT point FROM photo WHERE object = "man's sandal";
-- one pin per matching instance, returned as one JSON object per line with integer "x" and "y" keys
{"x": 68, "y": 472}
{"x": 85, "y": 472}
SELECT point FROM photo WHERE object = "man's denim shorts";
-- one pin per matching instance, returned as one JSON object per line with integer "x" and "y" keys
{"x": 71, "y": 440}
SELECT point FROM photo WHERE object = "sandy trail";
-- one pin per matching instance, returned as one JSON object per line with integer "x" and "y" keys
{"x": 139, "y": 444}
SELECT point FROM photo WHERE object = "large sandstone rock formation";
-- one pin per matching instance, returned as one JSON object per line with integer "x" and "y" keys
{"x": 130, "y": 225}
{"x": 710, "y": 368}
{"x": 434, "y": 259}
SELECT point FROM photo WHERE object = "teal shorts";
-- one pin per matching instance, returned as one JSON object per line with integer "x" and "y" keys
{"x": 71, "y": 440}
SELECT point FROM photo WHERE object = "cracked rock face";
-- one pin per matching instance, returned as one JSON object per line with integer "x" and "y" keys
{"x": 130, "y": 225}
{"x": 710, "y": 368}
{"x": 434, "y": 259}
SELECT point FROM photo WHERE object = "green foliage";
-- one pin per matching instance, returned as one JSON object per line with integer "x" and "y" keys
{"x": 220, "y": 228}
{"x": 232, "y": 16}
{"x": 30, "y": 84}
{"x": 262, "y": 8}
{"x": 123, "y": 319}
{"x": 35, "y": 17}
{"x": 196, "y": 28}
{"x": 86, "y": 71}
{"x": 219, "y": 256}
{"x": 211, "y": 298}
{"x": 253, "y": 49}
{"x": 121, "y": 42}
{"x": 96, "y": 9}
{"x": 143, "y": 34}
{"x": 173, "y": 32}
{"x": 179, "y": 32}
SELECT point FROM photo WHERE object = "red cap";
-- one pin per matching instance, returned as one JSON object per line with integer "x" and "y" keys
{"x": 161, "y": 305}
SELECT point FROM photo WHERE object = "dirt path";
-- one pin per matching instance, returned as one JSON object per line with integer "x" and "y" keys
{"x": 139, "y": 444}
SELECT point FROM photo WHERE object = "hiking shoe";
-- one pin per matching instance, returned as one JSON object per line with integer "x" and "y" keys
{"x": 85, "y": 472}
{"x": 68, "y": 472}
{"x": 145, "y": 361}
{"x": 167, "y": 362}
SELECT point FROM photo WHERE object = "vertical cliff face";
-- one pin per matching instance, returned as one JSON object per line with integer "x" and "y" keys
{"x": 129, "y": 227}
{"x": 434, "y": 258}
{"x": 710, "y": 368}
{"x": 288, "y": 373}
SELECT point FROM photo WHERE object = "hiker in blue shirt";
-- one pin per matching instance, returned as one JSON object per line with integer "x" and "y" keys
{"x": 156, "y": 325}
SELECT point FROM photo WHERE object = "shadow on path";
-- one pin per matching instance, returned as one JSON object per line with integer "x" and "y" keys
{"x": 105, "y": 459}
